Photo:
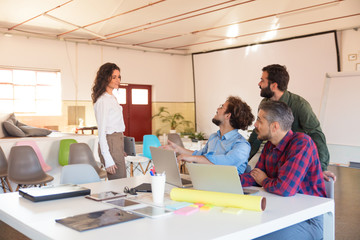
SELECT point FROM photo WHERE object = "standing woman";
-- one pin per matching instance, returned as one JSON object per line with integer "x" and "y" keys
{"x": 110, "y": 121}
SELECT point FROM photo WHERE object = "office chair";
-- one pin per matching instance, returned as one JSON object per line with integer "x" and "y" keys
{"x": 328, "y": 222}
{"x": 81, "y": 153}
{"x": 33, "y": 144}
{"x": 175, "y": 138}
{"x": 64, "y": 150}
{"x": 25, "y": 169}
{"x": 78, "y": 174}
{"x": 4, "y": 172}
{"x": 134, "y": 161}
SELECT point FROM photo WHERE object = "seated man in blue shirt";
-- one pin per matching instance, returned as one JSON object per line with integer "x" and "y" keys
{"x": 226, "y": 146}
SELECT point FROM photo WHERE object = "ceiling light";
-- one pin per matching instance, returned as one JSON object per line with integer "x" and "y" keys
{"x": 232, "y": 31}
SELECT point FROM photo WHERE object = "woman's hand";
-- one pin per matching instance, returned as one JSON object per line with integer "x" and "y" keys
{"x": 111, "y": 169}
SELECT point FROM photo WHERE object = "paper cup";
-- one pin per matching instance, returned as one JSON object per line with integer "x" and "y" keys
{"x": 158, "y": 188}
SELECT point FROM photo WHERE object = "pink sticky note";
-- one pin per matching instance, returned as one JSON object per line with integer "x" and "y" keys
{"x": 199, "y": 204}
{"x": 186, "y": 211}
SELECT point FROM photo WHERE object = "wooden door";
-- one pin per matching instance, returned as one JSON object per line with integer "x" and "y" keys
{"x": 136, "y": 102}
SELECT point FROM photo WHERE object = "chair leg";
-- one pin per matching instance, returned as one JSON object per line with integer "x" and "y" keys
{"x": 18, "y": 187}
{"x": 148, "y": 166}
{"x": 8, "y": 183}
{"x": 3, "y": 185}
{"x": 142, "y": 170}
{"x": 131, "y": 169}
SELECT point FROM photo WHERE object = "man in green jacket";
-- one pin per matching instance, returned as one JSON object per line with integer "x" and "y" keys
{"x": 273, "y": 85}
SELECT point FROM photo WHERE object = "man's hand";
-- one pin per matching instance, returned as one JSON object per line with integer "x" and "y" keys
{"x": 192, "y": 158}
{"x": 171, "y": 146}
{"x": 328, "y": 175}
{"x": 186, "y": 158}
{"x": 258, "y": 175}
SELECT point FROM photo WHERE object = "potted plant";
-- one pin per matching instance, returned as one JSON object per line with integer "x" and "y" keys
{"x": 196, "y": 136}
{"x": 175, "y": 120}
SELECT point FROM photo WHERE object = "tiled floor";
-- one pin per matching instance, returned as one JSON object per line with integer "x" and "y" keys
{"x": 347, "y": 207}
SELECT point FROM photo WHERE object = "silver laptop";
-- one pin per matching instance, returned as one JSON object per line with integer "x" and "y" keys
{"x": 217, "y": 178}
{"x": 165, "y": 161}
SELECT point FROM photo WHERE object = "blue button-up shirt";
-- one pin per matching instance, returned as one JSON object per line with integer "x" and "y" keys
{"x": 230, "y": 149}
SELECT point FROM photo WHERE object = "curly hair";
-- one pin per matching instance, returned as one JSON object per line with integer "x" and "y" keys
{"x": 241, "y": 116}
{"x": 278, "y": 74}
{"x": 103, "y": 77}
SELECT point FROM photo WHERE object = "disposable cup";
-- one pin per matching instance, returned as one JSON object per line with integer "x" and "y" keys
{"x": 158, "y": 188}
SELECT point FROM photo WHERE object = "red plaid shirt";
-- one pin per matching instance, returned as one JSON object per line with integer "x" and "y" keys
{"x": 292, "y": 167}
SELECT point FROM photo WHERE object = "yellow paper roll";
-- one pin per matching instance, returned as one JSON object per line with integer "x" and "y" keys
{"x": 255, "y": 203}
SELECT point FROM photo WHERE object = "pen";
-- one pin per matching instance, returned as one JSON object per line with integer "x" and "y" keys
{"x": 151, "y": 173}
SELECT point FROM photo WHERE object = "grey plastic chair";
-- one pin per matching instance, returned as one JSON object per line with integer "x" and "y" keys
{"x": 175, "y": 138}
{"x": 4, "y": 172}
{"x": 81, "y": 153}
{"x": 129, "y": 146}
{"x": 25, "y": 169}
{"x": 329, "y": 186}
{"x": 78, "y": 174}
{"x": 329, "y": 223}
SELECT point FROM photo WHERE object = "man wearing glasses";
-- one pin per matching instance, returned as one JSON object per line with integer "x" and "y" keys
{"x": 227, "y": 146}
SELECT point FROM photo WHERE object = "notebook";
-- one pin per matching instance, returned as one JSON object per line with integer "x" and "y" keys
{"x": 216, "y": 178}
{"x": 53, "y": 192}
{"x": 165, "y": 161}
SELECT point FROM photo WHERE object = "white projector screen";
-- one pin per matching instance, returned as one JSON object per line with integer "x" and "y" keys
{"x": 237, "y": 72}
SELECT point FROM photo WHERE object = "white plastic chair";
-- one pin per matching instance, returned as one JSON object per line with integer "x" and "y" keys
{"x": 78, "y": 174}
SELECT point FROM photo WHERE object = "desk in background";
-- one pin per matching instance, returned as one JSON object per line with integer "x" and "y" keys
{"x": 82, "y": 129}
{"x": 37, "y": 220}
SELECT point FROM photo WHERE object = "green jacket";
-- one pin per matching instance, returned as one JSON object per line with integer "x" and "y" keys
{"x": 305, "y": 121}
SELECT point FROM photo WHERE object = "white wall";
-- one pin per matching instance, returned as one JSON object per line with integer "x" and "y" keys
{"x": 170, "y": 75}
{"x": 349, "y": 43}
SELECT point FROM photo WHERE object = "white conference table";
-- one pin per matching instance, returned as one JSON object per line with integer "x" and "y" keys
{"x": 37, "y": 220}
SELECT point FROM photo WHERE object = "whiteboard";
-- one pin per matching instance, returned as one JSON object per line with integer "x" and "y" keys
{"x": 237, "y": 72}
{"x": 340, "y": 112}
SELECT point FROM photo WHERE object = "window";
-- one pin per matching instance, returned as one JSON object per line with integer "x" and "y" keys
{"x": 139, "y": 96}
{"x": 30, "y": 92}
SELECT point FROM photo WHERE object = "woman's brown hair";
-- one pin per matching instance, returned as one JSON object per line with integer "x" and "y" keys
{"x": 103, "y": 77}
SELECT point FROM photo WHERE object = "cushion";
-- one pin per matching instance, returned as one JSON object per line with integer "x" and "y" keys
{"x": 34, "y": 131}
{"x": 12, "y": 129}
{"x": 13, "y": 119}
{"x": 3, "y": 117}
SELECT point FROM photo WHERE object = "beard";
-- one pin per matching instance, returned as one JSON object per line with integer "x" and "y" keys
{"x": 266, "y": 92}
{"x": 215, "y": 121}
{"x": 263, "y": 137}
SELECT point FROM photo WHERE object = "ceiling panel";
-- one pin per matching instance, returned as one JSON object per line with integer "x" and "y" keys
{"x": 176, "y": 26}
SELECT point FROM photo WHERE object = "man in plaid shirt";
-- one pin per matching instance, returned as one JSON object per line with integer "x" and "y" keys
{"x": 289, "y": 164}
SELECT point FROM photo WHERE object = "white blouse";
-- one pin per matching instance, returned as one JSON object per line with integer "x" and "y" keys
{"x": 109, "y": 118}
